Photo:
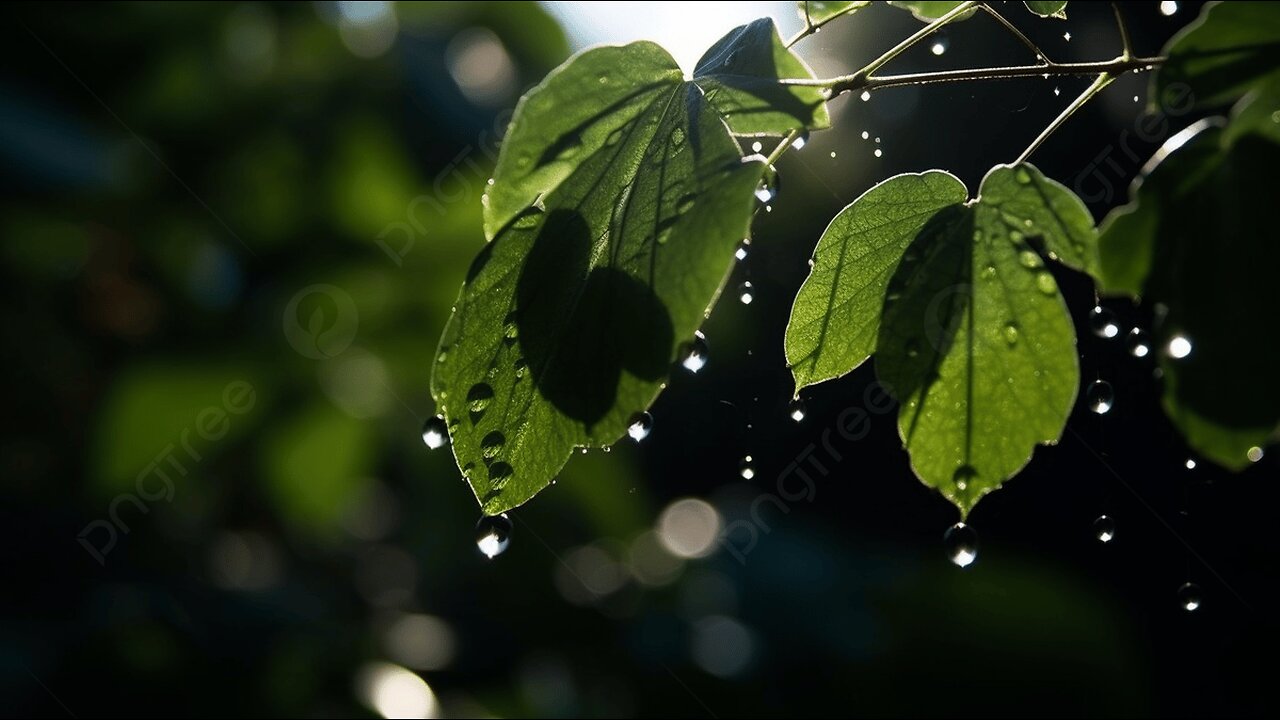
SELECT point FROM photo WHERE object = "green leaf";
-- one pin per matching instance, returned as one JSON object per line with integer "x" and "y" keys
{"x": 927, "y": 10}
{"x": 1229, "y": 49}
{"x": 968, "y": 327}
{"x": 740, "y": 75}
{"x": 1054, "y": 9}
{"x": 1195, "y": 241}
{"x": 817, "y": 13}
{"x": 618, "y": 200}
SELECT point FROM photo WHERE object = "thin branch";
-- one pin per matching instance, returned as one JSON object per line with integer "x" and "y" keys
{"x": 1103, "y": 80}
{"x": 782, "y": 147}
{"x": 916, "y": 37}
{"x": 1035, "y": 49}
{"x": 810, "y": 27}
{"x": 1124, "y": 31}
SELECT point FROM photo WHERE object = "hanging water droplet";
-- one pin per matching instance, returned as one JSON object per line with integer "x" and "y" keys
{"x": 879, "y": 152}
{"x": 1191, "y": 464}
{"x": 796, "y": 410}
{"x": 1104, "y": 528}
{"x": 1103, "y": 322}
{"x": 640, "y": 427}
{"x": 510, "y": 331}
{"x": 1100, "y": 397}
{"x": 768, "y": 188}
{"x": 865, "y": 135}
{"x": 1066, "y": 36}
{"x": 1179, "y": 347}
{"x": 833, "y": 154}
{"x": 434, "y": 432}
{"x": 747, "y": 468}
{"x": 757, "y": 146}
{"x": 746, "y": 292}
{"x": 801, "y": 140}
{"x": 493, "y": 535}
{"x": 940, "y": 45}
{"x": 1168, "y": 7}
{"x": 1138, "y": 344}
{"x": 1135, "y": 98}
{"x": 877, "y": 139}
{"x": 1189, "y": 597}
{"x": 741, "y": 252}
{"x": 1254, "y": 454}
{"x": 866, "y": 95}
{"x": 693, "y": 356}
{"x": 961, "y": 542}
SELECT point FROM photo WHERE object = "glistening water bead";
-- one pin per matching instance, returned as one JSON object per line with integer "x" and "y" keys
{"x": 493, "y": 535}
{"x": 1104, "y": 528}
{"x": 1103, "y": 322}
{"x": 747, "y": 468}
{"x": 434, "y": 432}
{"x": 694, "y": 355}
{"x": 796, "y": 410}
{"x": 961, "y": 542}
{"x": 1100, "y": 397}
{"x": 1189, "y": 597}
{"x": 1138, "y": 344}
{"x": 746, "y": 292}
{"x": 640, "y": 427}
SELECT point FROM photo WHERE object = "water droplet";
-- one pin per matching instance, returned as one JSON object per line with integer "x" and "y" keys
{"x": 865, "y": 135}
{"x": 961, "y": 542}
{"x": 1104, "y": 528}
{"x": 444, "y": 355}
{"x": 879, "y": 152}
{"x": 741, "y": 252}
{"x": 1254, "y": 454}
{"x": 866, "y": 95}
{"x": 940, "y": 45}
{"x": 640, "y": 427}
{"x": 510, "y": 331}
{"x": 963, "y": 476}
{"x": 989, "y": 272}
{"x": 1191, "y": 464}
{"x": 796, "y": 410}
{"x": 767, "y": 191}
{"x": 1103, "y": 322}
{"x": 492, "y": 444}
{"x": 478, "y": 398}
{"x": 877, "y": 139}
{"x": 1030, "y": 259}
{"x": 1057, "y": 92}
{"x": 746, "y": 292}
{"x": 1100, "y": 397}
{"x": 1044, "y": 281}
{"x": 1189, "y": 597}
{"x": 493, "y": 535}
{"x": 833, "y": 154}
{"x": 1022, "y": 176}
{"x": 757, "y": 146}
{"x": 1066, "y": 36}
{"x": 800, "y": 141}
{"x": 1011, "y": 333}
{"x": 434, "y": 432}
{"x": 1179, "y": 347}
{"x": 1168, "y": 7}
{"x": 1135, "y": 98}
{"x": 1138, "y": 344}
{"x": 747, "y": 468}
{"x": 693, "y": 355}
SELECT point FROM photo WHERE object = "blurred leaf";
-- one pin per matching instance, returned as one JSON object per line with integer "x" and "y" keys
{"x": 969, "y": 329}
{"x": 371, "y": 181}
{"x": 617, "y": 203}
{"x": 1056, "y": 9}
{"x": 1195, "y": 240}
{"x": 316, "y": 465}
{"x": 927, "y": 10}
{"x": 816, "y": 13}
{"x": 1231, "y": 48}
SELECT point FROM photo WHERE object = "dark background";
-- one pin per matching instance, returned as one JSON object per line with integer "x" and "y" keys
{"x": 175, "y": 175}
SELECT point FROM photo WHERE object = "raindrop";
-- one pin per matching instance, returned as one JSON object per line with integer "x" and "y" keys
{"x": 1044, "y": 281}
{"x": 492, "y": 444}
{"x": 1057, "y": 92}
{"x": 961, "y": 542}
{"x": 877, "y": 139}
{"x": 796, "y": 410}
{"x": 434, "y": 432}
{"x": 1254, "y": 454}
{"x": 685, "y": 203}
{"x": 640, "y": 427}
{"x": 1103, "y": 322}
{"x": 800, "y": 141}
{"x": 1189, "y": 597}
{"x": 963, "y": 476}
{"x": 1104, "y": 528}
{"x": 865, "y": 135}
{"x": 741, "y": 252}
{"x": 1191, "y": 464}
{"x": 913, "y": 348}
{"x": 693, "y": 355}
{"x": 747, "y": 468}
{"x": 510, "y": 331}
{"x": 1100, "y": 397}
{"x": 939, "y": 45}
{"x": 1179, "y": 347}
{"x": 746, "y": 292}
{"x": 1011, "y": 333}
{"x": 478, "y": 398}
{"x": 866, "y": 95}
{"x": 879, "y": 152}
{"x": 833, "y": 154}
{"x": 768, "y": 189}
{"x": 1168, "y": 7}
{"x": 1029, "y": 259}
{"x": 1138, "y": 343}
{"x": 493, "y": 535}
{"x": 756, "y": 146}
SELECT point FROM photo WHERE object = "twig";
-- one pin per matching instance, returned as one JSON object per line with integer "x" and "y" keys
{"x": 1103, "y": 80}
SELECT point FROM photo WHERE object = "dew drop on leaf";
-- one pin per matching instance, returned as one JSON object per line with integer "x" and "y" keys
{"x": 478, "y": 398}
{"x": 434, "y": 432}
{"x": 492, "y": 444}
{"x": 1103, "y": 322}
{"x": 1100, "y": 397}
{"x": 493, "y": 535}
{"x": 693, "y": 354}
{"x": 1189, "y": 597}
{"x": 940, "y": 45}
{"x": 757, "y": 146}
{"x": 879, "y": 152}
{"x": 1029, "y": 259}
{"x": 1011, "y": 333}
{"x": 640, "y": 427}
{"x": 961, "y": 543}
{"x": 1104, "y": 528}
{"x": 1045, "y": 283}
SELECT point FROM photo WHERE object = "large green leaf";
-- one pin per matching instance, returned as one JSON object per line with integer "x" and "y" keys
{"x": 619, "y": 197}
{"x": 1227, "y": 51}
{"x": 969, "y": 330}
{"x": 1196, "y": 241}
{"x": 817, "y": 13}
